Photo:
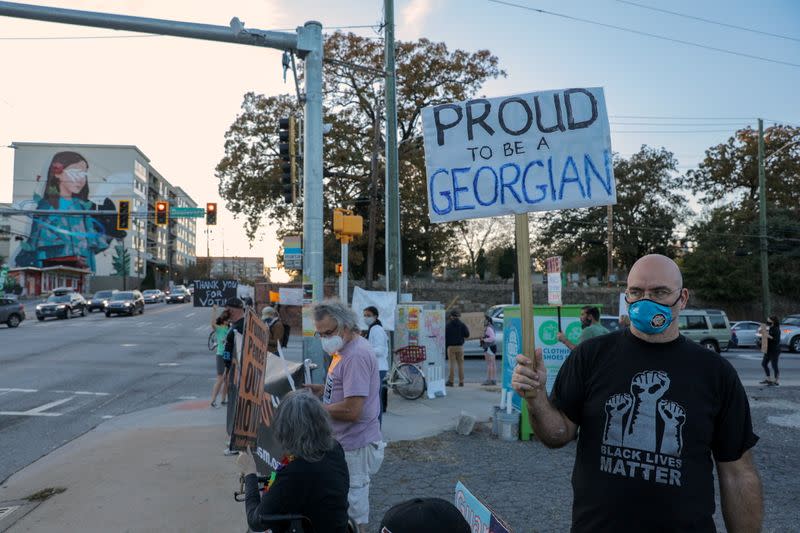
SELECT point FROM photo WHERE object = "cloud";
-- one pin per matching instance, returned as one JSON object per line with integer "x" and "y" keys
{"x": 413, "y": 16}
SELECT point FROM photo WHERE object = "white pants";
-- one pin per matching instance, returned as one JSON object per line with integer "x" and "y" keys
{"x": 362, "y": 463}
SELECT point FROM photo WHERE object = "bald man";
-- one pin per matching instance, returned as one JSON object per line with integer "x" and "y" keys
{"x": 656, "y": 411}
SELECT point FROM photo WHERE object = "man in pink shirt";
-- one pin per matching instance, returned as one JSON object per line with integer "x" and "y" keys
{"x": 351, "y": 394}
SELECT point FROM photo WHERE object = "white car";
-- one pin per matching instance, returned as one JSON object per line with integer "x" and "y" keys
{"x": 743, "y": 333}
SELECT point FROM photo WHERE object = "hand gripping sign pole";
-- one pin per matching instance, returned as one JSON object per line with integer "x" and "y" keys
{"x": 541, "y": 151}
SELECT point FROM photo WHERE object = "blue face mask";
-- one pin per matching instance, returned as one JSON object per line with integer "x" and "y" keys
{"x": 650, "y": 317}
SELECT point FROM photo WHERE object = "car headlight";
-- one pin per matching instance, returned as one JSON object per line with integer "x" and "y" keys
{"x": 62, "y": 306}
{"x": 127, "y": 304}
{"x": 39, "y": 307}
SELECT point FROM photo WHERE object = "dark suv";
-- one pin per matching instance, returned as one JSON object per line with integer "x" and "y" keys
{"x": 179, "y": 295}
{"x": 99, "y": 300}
{"x": 125, "y": 302}
{"x": 61, "y": 305}
{"x": 11, "y": 311}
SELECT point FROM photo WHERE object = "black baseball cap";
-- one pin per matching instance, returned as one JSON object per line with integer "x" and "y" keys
{"x": 235, "y": 303}
{"x": 424, "y": 515}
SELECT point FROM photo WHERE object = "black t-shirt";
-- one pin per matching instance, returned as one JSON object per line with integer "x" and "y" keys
{"x": 651, "y": 417}
{"x": 774, "y": 344}
{"x": 230, "y": 339}
{"x": 315, "y": 490}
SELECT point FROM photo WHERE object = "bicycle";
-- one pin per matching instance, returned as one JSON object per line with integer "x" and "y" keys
{"x": 405, "y": 376}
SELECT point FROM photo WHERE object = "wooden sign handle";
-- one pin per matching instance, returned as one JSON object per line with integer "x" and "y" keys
{"x": 525, "y": 285}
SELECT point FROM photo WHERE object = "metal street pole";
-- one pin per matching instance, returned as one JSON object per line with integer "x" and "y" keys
{"x": 393, "y": 255}
{"x": 610, "y": 245}
{"x": 762, "y": 224}
{"x": 343, "y": 285}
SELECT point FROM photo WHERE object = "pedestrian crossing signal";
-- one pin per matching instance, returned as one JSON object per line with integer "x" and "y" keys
{"x": 162, "y": 213}
{"x": 211, "y": 214}
{"x": 339, "y": 269}
{"x": 124, "y": 215}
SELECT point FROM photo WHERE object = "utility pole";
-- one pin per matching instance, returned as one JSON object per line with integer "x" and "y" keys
{"x": 394, "y": 272}
{"x": 762, "y": 224}
{"x": 610, "y": 268}
{"x": 373, "y": 195}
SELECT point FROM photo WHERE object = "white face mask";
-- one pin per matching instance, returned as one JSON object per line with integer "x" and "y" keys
{"x": 332, "y": 344}
{"x": 369, "y": 320}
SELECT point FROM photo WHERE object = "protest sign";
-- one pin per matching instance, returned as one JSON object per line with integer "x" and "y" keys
{"x": 210, "y": 292}
{"x": 268, "y": 452}
{"x": 290, "y": 296}
{"x": 538, "y": 151}
{"x": 385, "y": 302}
{"x": 553, "y": 265}
{"x": 481, "y": 519}
{"x": 250, "y": 389}
{"x": 474, "y": 323}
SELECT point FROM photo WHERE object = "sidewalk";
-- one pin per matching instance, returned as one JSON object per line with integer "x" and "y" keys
{"x": 162, "y": 469}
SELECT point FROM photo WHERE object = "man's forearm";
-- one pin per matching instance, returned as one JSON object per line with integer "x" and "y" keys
{"x": 742, "y": 501}
{"x": 548, "y": 422}
{"x": 342, "y": 411}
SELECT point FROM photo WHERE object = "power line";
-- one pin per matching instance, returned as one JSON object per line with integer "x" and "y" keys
{"x": 681, "y": 124}
{"x": 663, "y": 117}
{"x": 709, "y": 21}
{"x": 671, "y": 131}
{"x": 646, "y": 34}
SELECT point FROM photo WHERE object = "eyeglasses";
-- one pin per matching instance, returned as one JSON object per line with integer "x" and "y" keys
{"x": 659, "y": 294}
{"x": 329, "y": 333}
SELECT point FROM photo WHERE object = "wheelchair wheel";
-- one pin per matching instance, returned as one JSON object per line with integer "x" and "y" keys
{"x": 411, "y": 382}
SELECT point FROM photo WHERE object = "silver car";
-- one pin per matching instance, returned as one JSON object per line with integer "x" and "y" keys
{"x": 743, "y": 333}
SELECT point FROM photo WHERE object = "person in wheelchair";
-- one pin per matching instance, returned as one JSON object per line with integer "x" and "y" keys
{"x": 313, "y": 479}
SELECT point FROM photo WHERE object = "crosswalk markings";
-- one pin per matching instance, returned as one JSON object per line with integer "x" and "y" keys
{"x": 39, "y": 411}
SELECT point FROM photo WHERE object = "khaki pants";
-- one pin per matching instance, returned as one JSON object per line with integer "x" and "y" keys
{"x": 455, "y": 356}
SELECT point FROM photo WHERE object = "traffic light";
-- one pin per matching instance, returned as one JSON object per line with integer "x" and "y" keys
{"x": 287, "y": 148}
{"x": 339, "y": 269}
{"x": 162, "y": 213}
{"x": 211, "y": 214}
{"x": 124, "y": 215}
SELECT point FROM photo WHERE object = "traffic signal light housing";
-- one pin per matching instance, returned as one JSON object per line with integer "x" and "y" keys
{"x": 339, "y": 269}
{"x": 162, "y": 213}
{"x": 124, "y": 215}
{"x": 211, "y": 214}
{"x": 287, "y": 134}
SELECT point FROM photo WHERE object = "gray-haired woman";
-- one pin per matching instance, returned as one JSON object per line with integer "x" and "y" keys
{"x": 312, "y": 480}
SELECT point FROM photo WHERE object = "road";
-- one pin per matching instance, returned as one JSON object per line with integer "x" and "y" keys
{"x": 61, "y": 378}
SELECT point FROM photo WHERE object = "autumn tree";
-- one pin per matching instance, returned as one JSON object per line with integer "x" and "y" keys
{"x": 648, "y": 210}
{"x": 724, "y": 261}
{"x": 428, "y": 73}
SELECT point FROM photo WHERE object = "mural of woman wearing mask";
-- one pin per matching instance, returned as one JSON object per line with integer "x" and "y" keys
{"x": 60, "y": 235}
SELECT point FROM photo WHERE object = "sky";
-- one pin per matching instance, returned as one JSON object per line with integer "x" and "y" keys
{"x": 175, "y": 98}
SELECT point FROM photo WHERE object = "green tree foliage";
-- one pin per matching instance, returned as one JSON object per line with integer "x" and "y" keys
{"x": 724, "y": 263}
{"x": 645, "y": 217}
{"x": 481, "y": 264}
{"x": 428, "y": 73}
{"x": 121, "y": 260}
{"x": 505, "y": 262}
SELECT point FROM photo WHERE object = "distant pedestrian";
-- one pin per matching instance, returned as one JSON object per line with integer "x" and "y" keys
{"x": 771, "y": 348}
{"x": 270, "y": 317}
{"x": 235, "y": 309}
{"x": 455, "y": 333}
{"x": 377, "y": 337}
{"x": 220, "y": 326}
{"x": 590, "y": 321}
{"x": 489, "y": 345}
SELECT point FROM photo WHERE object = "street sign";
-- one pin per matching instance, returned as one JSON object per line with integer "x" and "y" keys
{"x": 293, "y": 252}
{"x": 187, "y": 212}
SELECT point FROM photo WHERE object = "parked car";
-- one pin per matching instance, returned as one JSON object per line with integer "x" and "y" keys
{"x": 790, "y": 333}
{"x": 708, "y": 327}
{"x": 99, "y": 300}
{"x": 179, "y": 296}
{"x": 743, "y": 333}
{"x": 125, "y": 302}
{"x": 153, "y": 296}
{"x": 12, "y": 313}
{"x": 61, "y": 304}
